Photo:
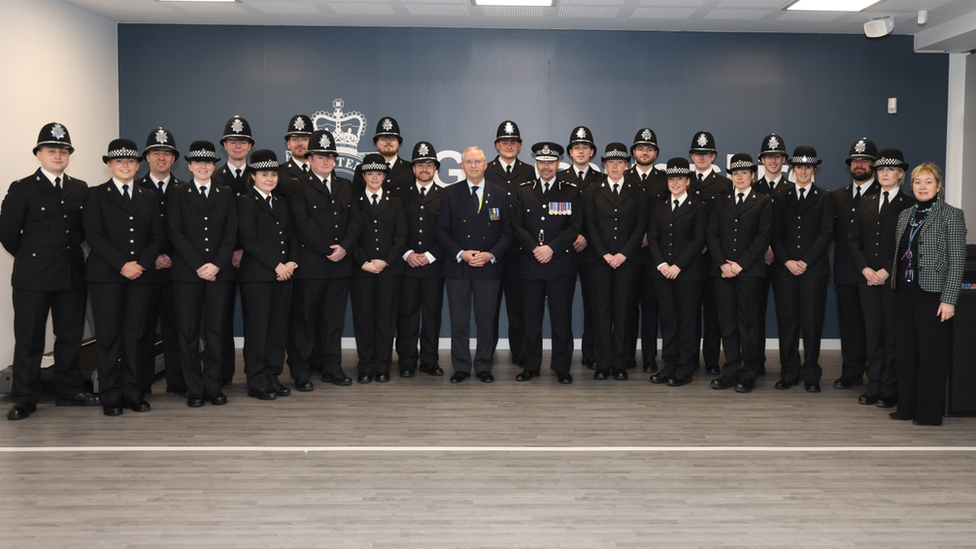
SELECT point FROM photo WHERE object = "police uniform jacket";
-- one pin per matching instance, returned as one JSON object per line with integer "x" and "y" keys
{"x": 656, "y": 184}
{"x": 844, "y": 208}
{"x": 288, "y": 173}
{"x": 460, "y": 226}
{"x": 537, "y": 220}
{"x": 43, "y": 230}
{"x": 802, "y": 232}
{"x": 202, "y": 230}
{"x": 741, "y": 236}
{"x": 225, "y": 176}
{"x": 121, "y": 230}
{"x": 521, "y": 172}
{"x": 147, "y": 183}
{"x": 613, "y": 224}
{"x": 382, "y": 235}
{"x": 322, "y": 219}
{"x": 762, "y": 186}
{"x": 266, "y": 235}
{"x": 872, "y": 234}
{"x": 421, "y": 221}
{"x": 570, "y": 175}
{"x": 678, "y": 237}
{"x": 399, "y": 176}
{"x": 711, "y": 188}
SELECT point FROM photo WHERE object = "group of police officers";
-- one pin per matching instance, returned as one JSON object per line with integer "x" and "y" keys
{"x": 684, "y": 248}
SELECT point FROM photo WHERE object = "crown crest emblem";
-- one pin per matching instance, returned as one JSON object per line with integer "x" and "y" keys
{"x": 423, "y": 150}
{"x": 161, "y": 136}
{"x": 57, "y": 131}
{"x": 324, "y": 142}
{"x": 860, "y": 147}
{"x": 804, "y": 159}
{"x": 387, "y": 124}
{"x": 545, "y": 149}
{"x": 299, "y": 124}
{"x": 237, "y": 126}
{"x": 773, "y": 143}
{"x": 347, "y": 128}
{"x": 702, "y": 139}
{"x": 581, "y": 133}
{"x": 509, "y": 128}
{"x": 646, "y": 135}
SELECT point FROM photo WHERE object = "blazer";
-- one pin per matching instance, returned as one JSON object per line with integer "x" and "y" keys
{"x": 802, "y": 232}
{"x": 239, "y": 187}
{"x": 382, "y": 235}
{"x": 163, "y": 276}
{"x": 711, "y": 188}
{"x": 844, "y": 208}
{"x": 941, "y": 250}
{"x": 762, "y": 186}
{"x": 288, "y": 173}
{"x": 521, "y": 172}
{"x": 399, "y": 176}
{"x": 570, "y": 176}
{"x": 740, "y": 236}
{"x": 120, "y": 230}
{"x": 43, "y": 230}
{"x": 202, "y": 231}
{"x": 322, "y": 219}
{"x": 655, "y": 186}
{"x": 266, "y": 236}
{"x": 678, "y": 237}
{"x": 872, "y": 235}
{"x": 614, "y": 224}
{"x": 460, "y": 226}
{"x": 535, "y": 223}
{"x": 421, "y": 222}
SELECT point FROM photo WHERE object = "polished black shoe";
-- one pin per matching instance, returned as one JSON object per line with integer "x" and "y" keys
{"x": 265, "y": 393}
{"x": 178, "y": 391}
{"x": 303, "y": 384}
{"x": 812, "y": 387}
{"x": 112, "y": 409}
{"x": 81, "y": 399}
{"x": 650, "y": 367}
{"x": 217, "y": 399}
{"x": 364, "y": 378}
{"x": 564, "y": 378}
{"x": 194, "y": 401}
{"x": 340, "y": 379}
{"x": 899, "y": 417}
{"x": 602, "y": 375}
{"x": 589, "y": 363}
{"x": 432, "y": 370}
{"x": 920, "y": 422}
{"x": 21, "y": 410}
{"x": 887, "y": 402}
{"x": 744, "y": 387}
{"x": 525, "y": 375}
{"x": 139, "y": 406}
{"x": 785, "y": 384}
{"x": 458, "y": 377}
{"x": 620, "y": 375}
{"x": 676, "y": 381}
{"x": 382, "y": 377}
{"x": 406, "y": 372}
{"x": 847, "y": 382}
{"x": 867, "y": 399}
{"x": 485, "y": 377}
{"x": 280, "y": 390}
{"x": 722, "y": 384}
{"x": 659, "y": 378}
{"x": 713, "y": 369}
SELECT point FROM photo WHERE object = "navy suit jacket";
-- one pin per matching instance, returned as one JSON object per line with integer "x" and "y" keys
{"x": 460, "y": 226}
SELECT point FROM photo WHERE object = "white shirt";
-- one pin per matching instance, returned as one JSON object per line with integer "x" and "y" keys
{"x": 773, "y": 183}
{"x": 327, "y": 181}
{"x": 118, "y": 185}
{"x": 745, "y": 194}
{"x": 206, "y": 184}
{"x": 704, "y": 174}
{"x": 681, "y": 201}
{"x": 863, "y": 186}
{"x": 505, "y": 166}
{"x": 156, "y": 182}
{"x": 51, "y": 177}
{"x": 641, "y": 173}
{"x": 891, "y": 197}
{"x": 301, "y": 165}
{"x": 233, "y": 169}
{"x": 619, "y": 185}
{"x": 379, "y": 195}
{"x": 806, "y": 190}
{"x": 551, "y": 182}
{"x": 261, "y": 194}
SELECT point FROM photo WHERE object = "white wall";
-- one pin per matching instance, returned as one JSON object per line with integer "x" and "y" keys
{"x": 59, "y": 63}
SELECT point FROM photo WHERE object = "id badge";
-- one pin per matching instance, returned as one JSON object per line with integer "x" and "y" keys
{"x": 909, "y": 274}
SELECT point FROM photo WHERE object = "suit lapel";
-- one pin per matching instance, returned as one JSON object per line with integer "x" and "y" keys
{"x": 115, "y": 197}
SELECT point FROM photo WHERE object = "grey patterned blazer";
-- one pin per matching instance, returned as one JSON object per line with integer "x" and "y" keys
{"x": 941, "y": 250}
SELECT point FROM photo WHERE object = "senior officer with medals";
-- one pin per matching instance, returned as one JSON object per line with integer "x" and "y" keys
{"x": 296, "y": 139}
{"x": 545, "y": 222}
{"x": 388, "y": 140}
{"x": 40, "y": 225}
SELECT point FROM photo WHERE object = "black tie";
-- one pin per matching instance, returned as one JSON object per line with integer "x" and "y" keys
{"x": 675, "y": 206}
{"x": 305, "y": 168}
{"x": 802, "y": 191}
{"x": 857, "y": 194}
{"x": 474, "y": 197}
{"x": 125, "y": 192}
{"x": 701, "y": 179}
{"x": 423, "y": 192}
{"x": 238, "y": 174}
{"x": 57, "y": 183}
{"x": 581, "y": 176}
{"x": 742, "y": 198}
{"x": 885, "y": 203}
{"x": 203, "y": 191}
{"x": 376, "y": 200}
{"x": 545, "y": 188}
{"x": 643, "y": 177}
{"x": 616, "y": 189}
{"x": 161, "y": 187}
{"x": 508, "y": 171}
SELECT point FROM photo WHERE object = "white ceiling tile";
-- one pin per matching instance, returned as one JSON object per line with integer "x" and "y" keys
{"x": 736, "y": 15}
{"x": 136, "y": 7}
{"x": 437, "y": 9}
{"x": 513, "y": 11}
{"x": 817, "y": 16}
{"x": 285, "y": 7}
{"x": 589, "y": 12}
{"x": 663, "y": 13}
{"x": 590, "y": 2}
{"x": 673, "y": 3}
{"x": 771, "y": 4}
{"x": 212, "y": 8}
{"x": 362, "y": 9}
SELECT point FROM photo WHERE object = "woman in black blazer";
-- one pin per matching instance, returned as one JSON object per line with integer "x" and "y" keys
{"x": 125, "y": 233}
{"x": 379, "y": 270}
{"x": 676, "y": 239}
{"x": 269, "y": 260}
{"x": 930, "y": 244}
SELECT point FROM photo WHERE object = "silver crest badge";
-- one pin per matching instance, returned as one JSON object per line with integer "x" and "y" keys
{"x": 804, "y": 159}
{"x": 161, "y": 136}
{"x": 423, "y": 150}
{"x": 646, "y": 134}
{"x": 545, "y": 149}
{"x": 509, "y": 128}
{"x": 324, "y": 142}
{"x": 860, "y": 147}
{"x": 581, "y": 133}
{"x": 387, "y": 124}
{"x": 237, "y": 126}
{"x": 773, "y": 143}
{"x": 57, "y": 131}
{"x": 299, "y": 124}
{"x": 702, "y": 139}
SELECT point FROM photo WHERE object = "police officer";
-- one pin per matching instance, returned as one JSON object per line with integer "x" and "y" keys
{"x": 388, "y": 140}
{"x": 40, "y": 225}
{"x": 296, "y": 139}
{"x": 772, "y": 155}
{"x": 546, "y": 221}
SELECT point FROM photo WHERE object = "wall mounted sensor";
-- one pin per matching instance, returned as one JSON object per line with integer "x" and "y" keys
{"x": 882, "y": 26}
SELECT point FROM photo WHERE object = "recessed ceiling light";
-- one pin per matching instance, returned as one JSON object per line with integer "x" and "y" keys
{"x": 832, "y": 5}
{"x": 521, "y": 3}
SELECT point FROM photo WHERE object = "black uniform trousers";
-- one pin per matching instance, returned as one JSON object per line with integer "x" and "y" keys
{"x": 374, "y": 319}
{"x": 228, "y": 354}
{"x": 589, "y": 347}
{"x": 461, "y": 292}
{"x": 710, "y": 334}
{"x": 801, "y": 302}
{"x": 161, "y": 309}
{"x": 315, "y": 315}
{"x": 419, "y": 319}
{"x": 214, "y": 302}
{"x": 878, "y": 304}
{"x": 511, "y": 288}
{"x": 560, "y": 296}
{"x": 267, "y": 308}
{"x": 737, "y": 302}
{"x": 924, "y": 347}
{"x": 678, "y": 305}
{"x": 850, "y": 319}
{"x": 121, "y": 311}
{"x": 763, "y": 308}
{"x": 614, "y": 297}
{"x": 31, "y": 308}
{"x": 643, "y": 323}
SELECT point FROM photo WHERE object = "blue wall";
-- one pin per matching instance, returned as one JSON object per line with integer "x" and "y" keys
{"x": 453, "y": 86}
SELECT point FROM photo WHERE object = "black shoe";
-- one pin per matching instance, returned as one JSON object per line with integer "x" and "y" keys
{"x": 659, "y": 378}
{"x": 81, "y": 399}
{"x": 485, "y": 377}
{"x": 564, "y": 378}
{"x": 340, "y": 379}
{"x": 744, "y": 387}
{"x": 458, "y": 377}
{"x": 920, "y": 422}
{"x": 194, "y": 401}
{"x": 676, "y": 381}
{"x": 887, "y": 402}
{"x": 406, "y": 372}
{"x": 620, "y": 375}
{"x": 21, "y": 410}
{"x": 178, "y": 391}
{"x": 589, "y": 363}
{"x": 867, "y": 399}
{"x": 139, "y": 406}
{"x": 217, "y": 399}
{"x": 602, "y": 375}
{"x": 432, "y": 370}
{"x": 364, "y": 378}
{"x": 381, "y": 377}
{"x": 899, "y": 417}
{"x": 303, "y": 384}
{"x": 713, "y": 369}
{"x": 280, "y": 390}
{"x": 721, "y": 384}
{"x": 265, "y": 393}
{"x": 650, "y": 367}
{"x": 113, "y": 409}
{"x": 848, "y": 382}
{"x": 812, "y": 387}
{"x": 785, "y": 384}
{"x": 525, "y": 375}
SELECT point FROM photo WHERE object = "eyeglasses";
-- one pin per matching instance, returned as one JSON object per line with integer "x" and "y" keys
{"x": 474, "y": 162}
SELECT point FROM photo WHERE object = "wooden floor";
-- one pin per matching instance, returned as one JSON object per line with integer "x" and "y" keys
{"x": 532, "y": 464}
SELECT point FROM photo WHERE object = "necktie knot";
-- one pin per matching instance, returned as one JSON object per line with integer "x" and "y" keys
{"x": 305, "y": 168}
{"x": 676, "y": 203}
{"x": 423, "y": 191}
{"x": 269, "y": 201}
{"x": 616, "y": 189}
{"x": 57, "y": 183}
{"x": 802, "y": 191}
{"x": 375, "y": 199}
{"x": 203, "y": 191}
{"x": 125, "y": 192}
{"x": 161, "y": 187}
{"x": 643, "y": 177}
{"x": 508, "y": 171}
{"x": 580, "y": 175}
{"x": 742, "y": 197}
{"x": 238, "y": 172}
{"x": 701, "y": 178}
{"x": 545, "y": 188}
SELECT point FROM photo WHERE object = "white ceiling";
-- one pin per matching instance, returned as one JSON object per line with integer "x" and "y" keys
{"x": 659, "y": 15}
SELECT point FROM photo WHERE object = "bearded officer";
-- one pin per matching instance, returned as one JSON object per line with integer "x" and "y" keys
{"x": 388, "y": 140}
{"x": 296, "y": 139}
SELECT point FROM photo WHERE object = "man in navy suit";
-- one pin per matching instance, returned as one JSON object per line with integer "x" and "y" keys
{"x": 474, "y": 228}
